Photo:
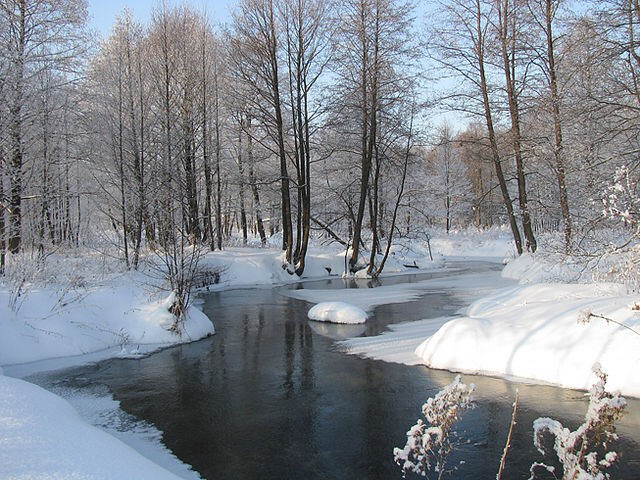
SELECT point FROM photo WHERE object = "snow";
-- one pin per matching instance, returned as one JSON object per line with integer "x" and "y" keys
{"x": 337, "y": 312}
{"x": 400, "y": 342}
{"x": 249, "y": 266}
{"x": 118, "y": 313}
{"x": 79, "y": 311}
{"x": 532, "y": 332}
{"x": 529, "y": 332}
{"x": 42, "y": 436}
{"x": 69, "y": 321}
{"x": 493, "y": 244}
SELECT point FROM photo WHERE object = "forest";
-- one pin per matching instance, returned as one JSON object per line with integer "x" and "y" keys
{"x": 360, "y": 122}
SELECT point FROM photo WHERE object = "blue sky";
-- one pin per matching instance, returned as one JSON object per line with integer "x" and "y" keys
{"x": 102, "y": 12}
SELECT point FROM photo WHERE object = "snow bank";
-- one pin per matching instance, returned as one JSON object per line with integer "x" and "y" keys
{"x": 495, "y": 243}
{"x": 398, "y": 345}
{"x": 533, "y": 332}
{"x": 538, "y": 268}
{"x": 246, "y": 266}
{"x": 337, "y": 312}
{"x": 118, "y": 313}
{"x": 42, "y": 436}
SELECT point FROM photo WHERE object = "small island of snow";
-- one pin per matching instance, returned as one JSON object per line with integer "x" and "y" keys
{"x": 337, "y": 312}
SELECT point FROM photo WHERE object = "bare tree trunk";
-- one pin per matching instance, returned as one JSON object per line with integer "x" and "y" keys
{"x": 558, "y": 151}
{"x": 492, "y": 136}
{"x": 505, "y": 17}
{"x": 15, "y": 133}
{"x": 137, "y": 160}
{"x": 287, "y": 226}
{"x": 123, "y": 202}
{"x": 208, "y": 225}
{"x": 243, "y": 212}
{"x": 373, "y": 208}
{"x": 217, "y": 151}
{"x": 193, "y": 221}
{"x": 369, "y": 127}
{"x": 400, "y": 193}
{"x": 254, "y": 186}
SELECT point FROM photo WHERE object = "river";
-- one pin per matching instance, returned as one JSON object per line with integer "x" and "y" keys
{"x": 269, "y": 397}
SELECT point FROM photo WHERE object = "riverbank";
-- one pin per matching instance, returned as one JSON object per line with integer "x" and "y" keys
{"x": 539, "y": 331}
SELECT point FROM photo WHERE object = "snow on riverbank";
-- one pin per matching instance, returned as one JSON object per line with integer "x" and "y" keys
{"x": 42, "y": 436}
{"x": 530, "y": 331}
{"x": 117, "y": 313}
{"x": 64, "y": 322}
{"x": 241, "y": 267}
{"x": 533, "y": 332}
{"x": 493, "y": 244}
{"x": 74, "y": 313}
{"x": 400, "y": 342}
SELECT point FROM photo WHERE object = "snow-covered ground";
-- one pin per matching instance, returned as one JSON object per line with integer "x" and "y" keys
{"x": 543, "y": 330}
{"x": 43, "y": 436}
{"x": 533, "y": 332}
{"x": 65, "y": 320}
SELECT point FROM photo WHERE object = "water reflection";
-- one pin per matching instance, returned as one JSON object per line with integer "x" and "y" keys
{"x": 337, "y": 331}
{"x": 270, "y": 397}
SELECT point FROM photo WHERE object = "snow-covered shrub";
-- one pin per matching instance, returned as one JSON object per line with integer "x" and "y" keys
{"x": 177, "y": 267}
{"x": 584, "y": 453}
{"x": 429, "y": 444}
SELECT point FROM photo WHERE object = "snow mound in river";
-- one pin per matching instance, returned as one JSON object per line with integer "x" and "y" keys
{"x": 337, "y": 312}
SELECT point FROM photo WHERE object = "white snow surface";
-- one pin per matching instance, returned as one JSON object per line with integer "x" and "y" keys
{"x": 530, "y": 331}
{"x": 248, "y": 266}
{"x": 337, "y": 312}
{"x": 533, "y": 332}
{"x": 55, "y": 326}
{"x": 492, "y": 244}
{"x": 398, "y": 345}
{"x": 117, "y": 313}
{"x": 42, "y": 436}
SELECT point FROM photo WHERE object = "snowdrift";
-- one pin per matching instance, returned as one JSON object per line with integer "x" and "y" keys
{"x": 533, "y": 332}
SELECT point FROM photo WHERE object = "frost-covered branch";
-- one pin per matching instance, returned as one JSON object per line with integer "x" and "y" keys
{"x": 584, "y": 453}
{"x": 429, "y": 444}
{"x": 586, "y": 315}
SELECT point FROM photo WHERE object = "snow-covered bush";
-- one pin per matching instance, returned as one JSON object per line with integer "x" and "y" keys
{"x": 584, "y": 453}
{"x": 177, "y": 268}
{"x": 429, "y": 444}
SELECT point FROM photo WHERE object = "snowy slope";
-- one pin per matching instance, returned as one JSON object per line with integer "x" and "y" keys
{"x": 533, "y": 332}
{"x": 118, "y": 313}
{"x": 42, "y": 436}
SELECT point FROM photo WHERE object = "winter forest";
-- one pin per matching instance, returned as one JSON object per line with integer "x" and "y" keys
{"x": 308, "y": 118}
{"x": 478, "y": 157}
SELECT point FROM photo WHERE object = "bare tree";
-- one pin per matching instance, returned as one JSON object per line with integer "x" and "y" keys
{"x": 37, "y": 34}
{"x": 256, "y": 44}
{"x": 508, "y": 26}
{"x": 460, "y": 45}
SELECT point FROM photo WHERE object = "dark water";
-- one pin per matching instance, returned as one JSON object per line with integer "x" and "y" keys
{"x": 267, "y": 397}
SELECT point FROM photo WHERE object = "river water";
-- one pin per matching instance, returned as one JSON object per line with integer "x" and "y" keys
{"x": 269, "y": 397}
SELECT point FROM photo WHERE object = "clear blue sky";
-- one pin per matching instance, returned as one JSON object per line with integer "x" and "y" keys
{"x": 102, "y": 12}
